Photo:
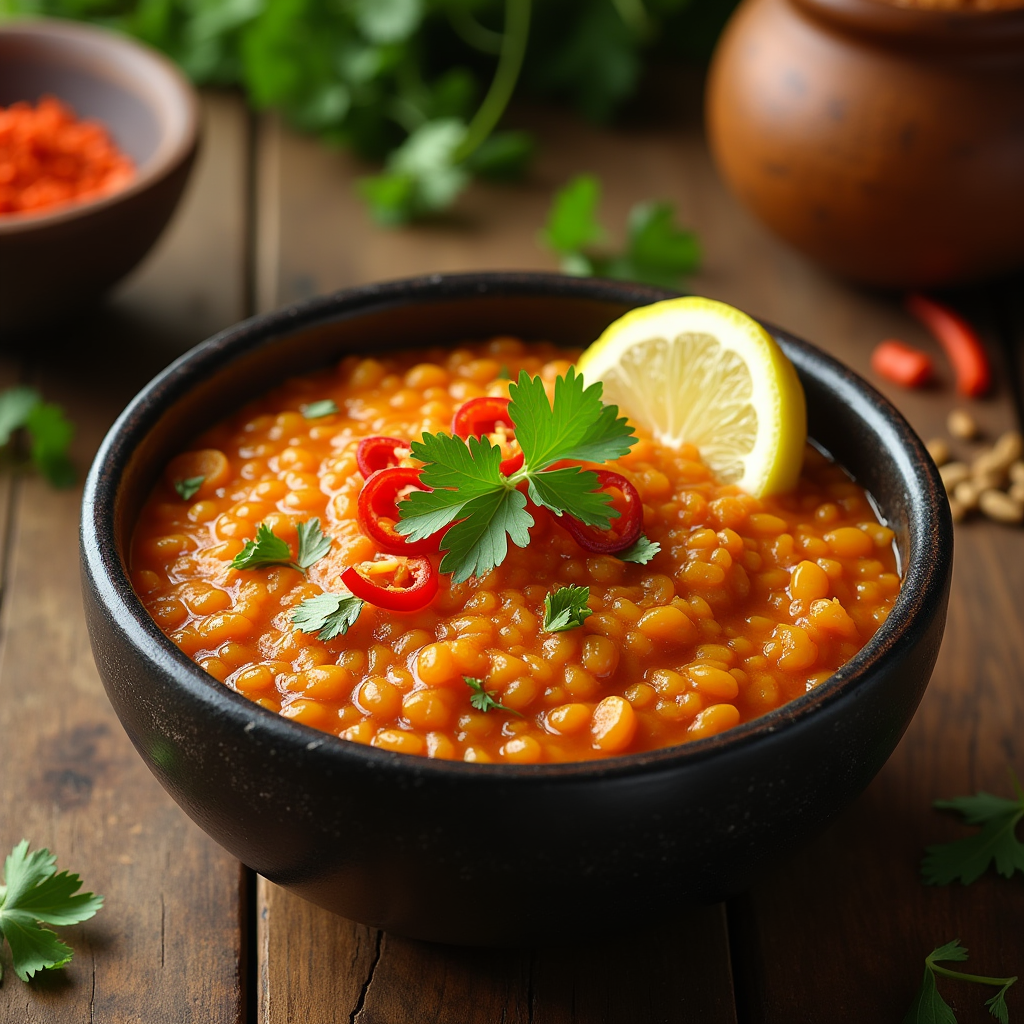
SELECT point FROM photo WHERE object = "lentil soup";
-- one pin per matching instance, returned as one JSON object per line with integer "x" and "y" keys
{"x": 749, "y": 603}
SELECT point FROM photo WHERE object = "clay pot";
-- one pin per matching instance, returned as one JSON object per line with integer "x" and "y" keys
{"x": 885, "y": 142}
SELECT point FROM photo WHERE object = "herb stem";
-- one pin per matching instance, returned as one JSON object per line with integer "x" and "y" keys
{"x": 510, "y": 62}
{"x": 976, "y": 978}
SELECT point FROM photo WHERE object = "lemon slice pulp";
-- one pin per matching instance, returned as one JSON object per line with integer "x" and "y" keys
{"x": 697, "y": 371}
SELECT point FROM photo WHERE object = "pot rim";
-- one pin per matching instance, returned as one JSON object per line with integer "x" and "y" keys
{"x": 924, "y": 27}
{"x": 925, "y": 575}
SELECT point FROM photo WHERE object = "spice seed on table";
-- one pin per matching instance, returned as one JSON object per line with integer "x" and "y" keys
{"x": 1001, "y": 507}
{"x": 954, "y": 473}
{"x": 962, "y": 425}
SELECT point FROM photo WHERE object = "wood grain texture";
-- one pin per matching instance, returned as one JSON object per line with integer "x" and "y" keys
{"x": 319, "y": 968}
{"x": 168, "y": 945}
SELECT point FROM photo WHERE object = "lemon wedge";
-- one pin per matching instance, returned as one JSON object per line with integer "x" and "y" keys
{"x": 696, "y": 371}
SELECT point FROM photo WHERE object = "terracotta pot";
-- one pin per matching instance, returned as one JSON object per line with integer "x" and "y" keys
{"x": 885, "y": 142}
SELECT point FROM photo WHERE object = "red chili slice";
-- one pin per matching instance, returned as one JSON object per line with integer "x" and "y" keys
{"x": 378, "y": 511}
{"x": 378, "y": 452}
{"x": 481, "y": 417}
{"x": 624, "y": 530}
{"x": 395, "y": 584}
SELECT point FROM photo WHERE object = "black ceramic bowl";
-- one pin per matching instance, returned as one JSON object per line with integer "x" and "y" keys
{"x": 499, "y": 854}
{"x": 54, "y": 260}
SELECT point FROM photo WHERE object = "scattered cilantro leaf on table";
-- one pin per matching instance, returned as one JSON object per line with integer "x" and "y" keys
{"x": 482, "y": 699}
{"x": 327, "y": 615}
{"x": 566, "y": 608}
{"x": 486, "y": 507}
{"x": 657, "y": 251}
{"x": 997, "y": 843}
{"x": 48, "y": 429}
{"x": 188, "y": 487}
{"x": 33, "y": 895}
{"x": 641, "y": 552}
{"x": 930, "y": 1008}
{"x": 267, "y": 549}
{"x": 316, "y": 410}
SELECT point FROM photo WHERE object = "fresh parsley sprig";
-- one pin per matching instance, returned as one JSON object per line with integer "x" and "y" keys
{"x": 566, "y": 608}
{"x": 327, "y": 615}
{"x": 967, "y": 859}
{"x": 34, "y": 895}
{"x": 486, "y": 507}
{"x": 482, "y": 700}
{"x": 657, "y": 251}
{"x": 267, "y": 549}
{"x": 930, "y": 1008}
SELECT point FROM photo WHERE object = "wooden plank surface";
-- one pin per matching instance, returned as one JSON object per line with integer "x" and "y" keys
{"x": 313, "y": 235}
{"x": 169, "y": 944}
{"x": 840, "y": 931}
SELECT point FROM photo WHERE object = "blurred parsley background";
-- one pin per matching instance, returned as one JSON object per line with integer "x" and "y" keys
{"x": 418, "y": 84}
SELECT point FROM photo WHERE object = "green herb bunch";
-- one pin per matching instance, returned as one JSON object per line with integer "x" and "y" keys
{"x": 420, "y": 84}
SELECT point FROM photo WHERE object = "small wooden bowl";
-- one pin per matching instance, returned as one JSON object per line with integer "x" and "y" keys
{"x": 499, "y": 854}
{"x": 53, "y": 261}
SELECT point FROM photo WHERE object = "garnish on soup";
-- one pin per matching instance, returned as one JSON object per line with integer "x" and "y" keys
{"x": 353, "y": 571}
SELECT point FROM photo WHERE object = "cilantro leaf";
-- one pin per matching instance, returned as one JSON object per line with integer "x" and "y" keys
{"x": 572, "y": 222}
{"x": 188, "y": 487}
{"x": 579, "y": 426}
{"x": 268, "y": 549}
{"x": 967, "y": 859}
{"x": 313, "y": 543}
{"x": 34, "y": 893}
{"x": 15, "y": 405}
{"x": 657, "y": 251}
{"x": 327, "y": 615}
{"x": 930, "y": 1008}
{"x": 459, "y": 472}
{"x": 641, "y": 552}
{"x": 573, "y": 490}
{"x": 566, "y": 608}
{"x": 316, "y": 410}
{"x": 51, "y": 432}
{"x": 481, "y": 698}
{"x": 478, "y": 543}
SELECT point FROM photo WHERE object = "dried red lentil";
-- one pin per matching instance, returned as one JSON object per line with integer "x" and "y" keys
{"x": 750, "y": 603}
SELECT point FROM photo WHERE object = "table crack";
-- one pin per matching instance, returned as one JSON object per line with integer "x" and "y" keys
{"x": 354, "y": 1016}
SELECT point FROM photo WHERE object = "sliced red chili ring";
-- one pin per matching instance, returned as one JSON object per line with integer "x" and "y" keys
{"x": 395, "y": 584}
{"x": 624, "y": 530}
{"x": 481, "y": 417}
{"x": 378, "y": 511}
{"x": 378, "y": 452}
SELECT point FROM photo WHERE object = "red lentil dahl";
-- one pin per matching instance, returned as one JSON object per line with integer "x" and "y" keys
{"x": 750, "y": 603}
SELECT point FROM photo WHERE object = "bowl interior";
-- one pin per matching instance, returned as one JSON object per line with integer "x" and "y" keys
{"x": 851, "y": 421}
{"x": 138, "y": 96}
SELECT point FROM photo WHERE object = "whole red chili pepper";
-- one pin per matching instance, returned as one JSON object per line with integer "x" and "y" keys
{"x": 902, "y": 364}
{"x": 480, "y": 417}
{"x": 378, "y": 452}
{"x": 959, "y": 341}
{"x": 395, "y": 584}
{"x": 378, "y": 511}
{"x": 624, "y": 530}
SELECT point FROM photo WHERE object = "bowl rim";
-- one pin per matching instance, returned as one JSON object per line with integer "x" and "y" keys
{"x": 925, "y": 576}
{"x": 172, "y": 149}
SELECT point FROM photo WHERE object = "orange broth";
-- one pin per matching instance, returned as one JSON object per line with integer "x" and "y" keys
{"x": 750, "y": 603}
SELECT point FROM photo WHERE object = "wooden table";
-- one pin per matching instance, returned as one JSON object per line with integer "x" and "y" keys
{"x": 838, "y": 933}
